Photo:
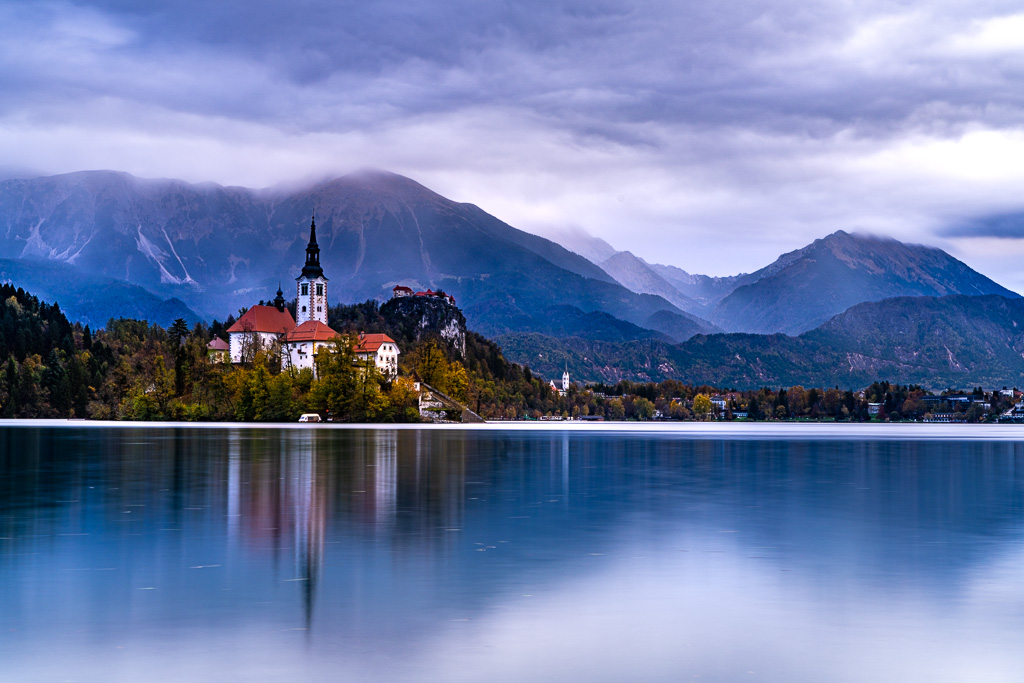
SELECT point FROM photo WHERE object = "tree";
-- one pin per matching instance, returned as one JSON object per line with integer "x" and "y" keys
{"x": 457, "y": 382}
{"x": 404, "y": 401}
{"x": 702, "y": 406}
{"x": 616, "y": 411}
{"x": 280, "y": 402}
{"x": 177, "y": 331}
{"x": 251, "y": 345}
{"x": 643, "y": 408}
{"x": 336, "y": 384}
{"x": 975, "y": 413}
{"x": 433, "y": 367}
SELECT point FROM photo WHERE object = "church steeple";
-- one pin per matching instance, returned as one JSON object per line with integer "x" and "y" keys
{"x": 311, "y": 284}
{"x": 312, "y": 268}
{"x": 279, "y": 301}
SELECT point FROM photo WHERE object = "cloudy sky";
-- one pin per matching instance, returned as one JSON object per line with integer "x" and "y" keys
{"x": 710, "y": 135}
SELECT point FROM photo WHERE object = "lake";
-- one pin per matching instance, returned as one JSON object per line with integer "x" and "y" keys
{"x": 511, "y": 553}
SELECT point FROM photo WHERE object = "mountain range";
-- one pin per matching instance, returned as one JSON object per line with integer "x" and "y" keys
{"x": 937, "y": 342}
{"x": 105, "y": 243}
{"x": 804, "y": 288}
{"x": 221, "y": 248}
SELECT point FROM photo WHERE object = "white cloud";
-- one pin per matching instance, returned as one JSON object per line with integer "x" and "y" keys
{"x": 996, "y": 35}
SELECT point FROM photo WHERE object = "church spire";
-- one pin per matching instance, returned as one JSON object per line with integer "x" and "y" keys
{"x": 312, "y": 268}
{"x": 279, "y": 301}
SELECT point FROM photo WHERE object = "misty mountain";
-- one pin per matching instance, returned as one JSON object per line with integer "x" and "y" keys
{"x": 806, "y": 287}
{"x": 933, "y": 341}
{"x": 91, "y": 299}
{"x": 578, "y": 241}
{"x": 220, "y": 248}
{"x": 704, "y": 289}
{"x": 637, "y": 276}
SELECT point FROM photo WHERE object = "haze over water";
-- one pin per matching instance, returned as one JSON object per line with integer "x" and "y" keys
{"x": 173, "y": 553}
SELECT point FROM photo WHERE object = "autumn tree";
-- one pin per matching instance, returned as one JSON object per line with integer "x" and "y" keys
{"x": 702, "y": 406}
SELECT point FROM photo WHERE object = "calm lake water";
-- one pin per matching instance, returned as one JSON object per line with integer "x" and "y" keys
{"x": 233, "y": 554}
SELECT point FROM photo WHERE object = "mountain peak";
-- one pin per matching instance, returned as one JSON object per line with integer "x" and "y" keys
{"x": 805, "y": 287}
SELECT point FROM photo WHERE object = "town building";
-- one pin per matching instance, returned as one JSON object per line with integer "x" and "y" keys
{"x": 564, "y": 387}
{"x": 381, "y": 349}
{"x": 218, "y": 351}
{"x": 302, "y": 344}
{"x": 260, "y": 327}
{"x": 399, "y": 291}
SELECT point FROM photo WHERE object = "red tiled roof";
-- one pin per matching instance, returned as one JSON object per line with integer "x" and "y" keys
{"x": 369, "y": 343}
{"x": 218, "y": 344}
{"x": 311, "y": 330}
{"x": 264, "y": 319}
{"x": 401, "y": 288}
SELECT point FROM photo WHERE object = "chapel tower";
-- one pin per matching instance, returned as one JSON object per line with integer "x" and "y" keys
{"x": 311, "y": 285}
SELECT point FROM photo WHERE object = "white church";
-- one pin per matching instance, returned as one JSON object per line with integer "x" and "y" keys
{"x": 307, "y": 334}
{"x": 564, "y": 386}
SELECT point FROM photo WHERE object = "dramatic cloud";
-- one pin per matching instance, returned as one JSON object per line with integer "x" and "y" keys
{"x": 704, "y": 134}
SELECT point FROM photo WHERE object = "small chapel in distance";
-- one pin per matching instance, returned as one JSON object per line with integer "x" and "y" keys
{"x": 303, "y": 337}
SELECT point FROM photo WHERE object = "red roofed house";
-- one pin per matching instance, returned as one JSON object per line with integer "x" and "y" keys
{"x": 259, "y": 328}
{"x": 401, "y": 290}
{"x": 217, "y": 350}
{"x": 380, "y": 348}
{"x": 305, "y": 341}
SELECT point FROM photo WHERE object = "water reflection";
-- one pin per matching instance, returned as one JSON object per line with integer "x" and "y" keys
{"x": 421, "y": 555}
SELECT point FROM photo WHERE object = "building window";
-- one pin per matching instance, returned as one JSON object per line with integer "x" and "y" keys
{"x": 318, "y": 309}
{"x": 305, "y": 290}
{"x": 303, "y": 309}
{"x": 319, "y": 290}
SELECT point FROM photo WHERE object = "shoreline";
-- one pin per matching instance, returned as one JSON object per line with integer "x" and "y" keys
{"x": 912, "y": 431}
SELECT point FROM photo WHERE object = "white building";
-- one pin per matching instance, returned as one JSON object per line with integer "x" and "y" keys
{"x": 380, "y": 348}
{"x": 311, "y": 285}
{"x": 564, "y": 387}
{"x": 259, "y": 328}
{"x": 303, "y": 343}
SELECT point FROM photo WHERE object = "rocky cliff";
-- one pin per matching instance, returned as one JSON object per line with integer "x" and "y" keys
{"x": 423, "y": 317}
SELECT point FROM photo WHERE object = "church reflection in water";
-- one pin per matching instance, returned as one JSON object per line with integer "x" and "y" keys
{"x": 289, "y": 492}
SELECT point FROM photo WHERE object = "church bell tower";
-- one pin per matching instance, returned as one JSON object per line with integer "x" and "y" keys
{"x": 311, "y": 285}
